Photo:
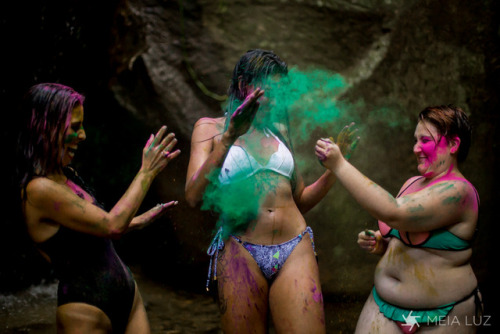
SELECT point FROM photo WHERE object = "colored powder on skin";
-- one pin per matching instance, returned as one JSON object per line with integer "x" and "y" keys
{"x": 446, "y": 187}
{"x": 417, "y": 219}
{"x": 416, "y": 209}
{"x": 70, "y": 138}
{"x": 317, "y": 296}
{"x": 452, "y": 200}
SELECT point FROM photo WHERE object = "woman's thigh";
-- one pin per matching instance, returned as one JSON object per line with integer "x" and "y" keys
{"x": 371, "y": 320}
{"x": 243, "y": 291}
{"x": 460, "y": 320}
{"x": 82, "y": 318}
{"x": 295, "y": 296}
{"x": 138, "y": 321}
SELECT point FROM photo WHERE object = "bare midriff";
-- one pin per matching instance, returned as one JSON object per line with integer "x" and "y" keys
{"x": 278, "y": 219}
{"x": 420, "y": 278}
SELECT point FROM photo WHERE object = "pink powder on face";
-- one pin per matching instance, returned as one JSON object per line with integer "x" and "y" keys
{"x": 431, "y": 149}
{"x": 428, "y": 150}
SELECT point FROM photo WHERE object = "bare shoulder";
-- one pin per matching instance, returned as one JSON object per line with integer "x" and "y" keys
{"x": 40, "y": 187}
{"x": 209, "y": 124}
{"x": 41, "y": 190}
{"x": 207, "y": 128}
{"x": 467, "y": 190}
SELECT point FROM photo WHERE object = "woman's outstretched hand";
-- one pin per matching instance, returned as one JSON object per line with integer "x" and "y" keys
{"x": 243, "y": 116}
{"x": 157, "y": 152}
{"x": 347, "y": 140}
{"x": 330, "y": 153}
{"x": 150, "y": 216}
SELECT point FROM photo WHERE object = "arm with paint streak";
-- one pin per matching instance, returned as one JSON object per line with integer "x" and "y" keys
{"x": 49, "y": 201}
{"x": 208, "y": 150}
{"x": 207, "y": 156}
{"x": 439, "y": 204}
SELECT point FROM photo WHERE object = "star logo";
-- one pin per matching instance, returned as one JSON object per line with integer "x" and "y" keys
{"x": 411, "y": 320}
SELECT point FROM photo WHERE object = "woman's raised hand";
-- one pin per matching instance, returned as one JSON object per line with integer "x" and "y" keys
{"x": 347, "y": 140}
{"x": 330, "y": 153}
{"x": 157, "y": 152}
{"x": 243, "y": 116}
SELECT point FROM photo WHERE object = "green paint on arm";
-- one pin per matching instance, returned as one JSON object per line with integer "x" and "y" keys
{"x": 452, "y": 200}
{"x": 414, "y": 209}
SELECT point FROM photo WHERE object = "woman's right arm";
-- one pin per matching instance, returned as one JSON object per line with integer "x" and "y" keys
{"x": 208, "y": 150}
{"x": 48, "y": 201}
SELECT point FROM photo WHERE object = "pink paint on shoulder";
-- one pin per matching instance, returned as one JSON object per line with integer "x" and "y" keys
{"x": 79, "y": 191}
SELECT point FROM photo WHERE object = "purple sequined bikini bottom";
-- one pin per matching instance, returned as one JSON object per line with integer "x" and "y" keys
{"x": 271, "y": 258}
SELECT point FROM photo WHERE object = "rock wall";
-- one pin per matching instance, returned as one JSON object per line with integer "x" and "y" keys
{"x": 173, "y": 61}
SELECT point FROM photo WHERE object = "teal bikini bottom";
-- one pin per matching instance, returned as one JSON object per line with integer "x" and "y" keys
{"x": 427, "y": 316}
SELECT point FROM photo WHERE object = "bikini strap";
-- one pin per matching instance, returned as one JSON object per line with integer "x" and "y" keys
{"x": 216, "y": 245}
{"x": 408, "y": 186}
{"x": 311, "y": 235}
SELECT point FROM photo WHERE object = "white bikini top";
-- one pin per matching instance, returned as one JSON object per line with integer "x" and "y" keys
{"x": 239, "y": 164}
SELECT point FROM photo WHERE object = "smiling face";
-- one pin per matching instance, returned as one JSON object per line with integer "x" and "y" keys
{"x": 432, "y": 150}
{"x": 74, "y": 135}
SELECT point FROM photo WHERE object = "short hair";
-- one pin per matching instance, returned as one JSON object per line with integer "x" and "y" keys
{"x": 450, "y": 121}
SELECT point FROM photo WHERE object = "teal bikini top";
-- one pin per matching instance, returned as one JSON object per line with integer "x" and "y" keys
{"x": 438, "y": 239}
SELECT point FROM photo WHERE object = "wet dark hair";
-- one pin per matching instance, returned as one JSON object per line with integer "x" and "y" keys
{"x": 46, "y": 113}
{"x": 253, "y": 67}
{"x": 450, "y": 121}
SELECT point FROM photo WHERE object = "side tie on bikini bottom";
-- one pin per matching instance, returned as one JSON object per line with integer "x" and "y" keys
{"x": 270, "y": 258}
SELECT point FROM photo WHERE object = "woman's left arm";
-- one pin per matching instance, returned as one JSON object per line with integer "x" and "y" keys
{"x": 439, "y": 204}
{"x": 146, "y": 218}
{"x": 308, "y": 197}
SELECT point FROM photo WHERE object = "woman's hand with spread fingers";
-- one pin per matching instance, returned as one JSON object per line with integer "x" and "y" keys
{"x": 242, "y": 118}
{"x": 157, "y": 152}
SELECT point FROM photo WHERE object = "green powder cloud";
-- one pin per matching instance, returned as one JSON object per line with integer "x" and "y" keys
{"x": 311, "y": 102}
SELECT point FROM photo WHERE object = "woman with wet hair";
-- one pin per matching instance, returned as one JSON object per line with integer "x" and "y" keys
{"x": 242, "y": 166}
{"x": 96, "y": 291}
{"x": 424, "y": 279}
